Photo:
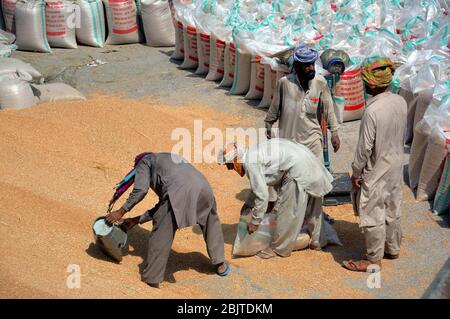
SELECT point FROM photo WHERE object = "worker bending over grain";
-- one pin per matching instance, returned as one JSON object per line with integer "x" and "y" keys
{"x": 295, "y": 105}
{"x": 294, "y": 172}
{"x": 185, "y": 199}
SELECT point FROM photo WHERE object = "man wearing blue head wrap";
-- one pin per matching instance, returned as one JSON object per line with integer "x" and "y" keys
{"x": 295, "y": 105}
{"x": 305, "y": 54}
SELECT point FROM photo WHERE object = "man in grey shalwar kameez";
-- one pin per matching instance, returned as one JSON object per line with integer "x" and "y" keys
{"x": 296, "y": 174}
{"x": 185, "y": 199}
{"x": 295, "y": 105}
{"x": 378, "y": 167}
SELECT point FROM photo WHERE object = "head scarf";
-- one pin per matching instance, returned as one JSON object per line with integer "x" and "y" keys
{"x": 305, "y": 54}
{"x": 228, "y": 154}
{"x": 377, "y": 72}
{"x": 330, "y": 57}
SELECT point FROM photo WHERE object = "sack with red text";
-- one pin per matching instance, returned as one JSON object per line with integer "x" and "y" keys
{"x": 122, "y": 20}
{"x": 61, "y": 19}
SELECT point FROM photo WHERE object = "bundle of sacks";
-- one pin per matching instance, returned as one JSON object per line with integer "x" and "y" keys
{"x": 429, "y": 167}
{"x": 247, "y": 46}
{"x": 235, "y": 42}
{"x": 21, "y": 86}
{"x": 40, "y": 25}
{"x": 7, "y": 45}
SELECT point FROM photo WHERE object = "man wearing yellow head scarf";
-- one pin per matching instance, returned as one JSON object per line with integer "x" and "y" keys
{"x": 377, "y": 72}
{"x": 378, "y": 167}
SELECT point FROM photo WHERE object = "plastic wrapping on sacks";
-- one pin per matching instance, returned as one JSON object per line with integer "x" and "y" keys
{"x": 60, "y": 19}
{"x": 441, "y": 204}
{"x": 429, "y": 74}
{"x": 157, "y": 22}
{"x": 228, "y": 65}
{"x": 122, "y": 20}
{"x": 178, "y": 53}
{"x": 204, "y": 51}
{"x": 8, "y": 9}
{"x": 30, "y": 26}
{"x": 432, "y": 166}
{"x": 422, "y": 101}
{"x": 11, "y": 65}
{"x": 7, "y": 38}
{"x": 256, "y": 90}
{"x": 6, "y": 44}
{"x": 53, "y": 92}
{"x": 351, "y": 88}
{"x": 92, "y": 28}
{"x": 302, "y": 242}
{"x": 434, "y": 116}
{"x": 15, "y": 91}
{"x": 411, "y": 100}
{"x": 247, "y": 244}
{"x": 190, "y": 48}
{"x": 241, "y": 82}
{"x": 417, "y": 154}
{"x": 216, "y": 59}
{"x": 7, "y": 50}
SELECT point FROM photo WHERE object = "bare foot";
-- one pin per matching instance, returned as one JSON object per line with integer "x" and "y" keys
{"x": 220, "y": 268}
{"x": 223, "y": 269}
{"x": 267, "y": 253}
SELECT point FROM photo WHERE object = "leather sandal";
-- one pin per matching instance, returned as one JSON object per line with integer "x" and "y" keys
{"x": 263, "y": 254}
{"x": 226, "y": 270}
{"x": 360, "y": 265}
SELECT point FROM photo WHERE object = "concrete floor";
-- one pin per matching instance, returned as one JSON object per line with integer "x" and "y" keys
{"x": 138, "y": 71}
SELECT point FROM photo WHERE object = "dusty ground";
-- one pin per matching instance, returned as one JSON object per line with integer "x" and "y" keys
{"x": 61, "y": 160}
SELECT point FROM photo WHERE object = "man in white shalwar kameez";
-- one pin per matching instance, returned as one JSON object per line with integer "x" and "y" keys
{"x": 295, "y": 105}
{"x": 294, "y": 171}
{"x": 378, "y": 167}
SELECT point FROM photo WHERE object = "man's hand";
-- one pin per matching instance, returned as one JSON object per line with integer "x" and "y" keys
{"x": 268, "y": 130}
{"x": 244, "y": 207}
{"x": 356, "y": 182}
{"x": 129, "y": 223}
{"x": 115, "y": 216}
{"x": 336, "y": 142}
{"x": 251, "y": 228}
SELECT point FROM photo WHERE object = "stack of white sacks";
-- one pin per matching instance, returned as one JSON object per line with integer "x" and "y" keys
{"x": 21, "y": 86}
{"x": 40, "y": 25}
{"x": 231, "y": 42}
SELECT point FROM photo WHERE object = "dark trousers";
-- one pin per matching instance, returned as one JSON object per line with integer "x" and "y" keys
{"x": 161, "y": 239}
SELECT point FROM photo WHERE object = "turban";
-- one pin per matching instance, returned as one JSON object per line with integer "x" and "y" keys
{"x": 377, "y": 72}
{"x": 229, "y": 153}
{"x": 332, "y": 57}
{"x": 305, "y": 54}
